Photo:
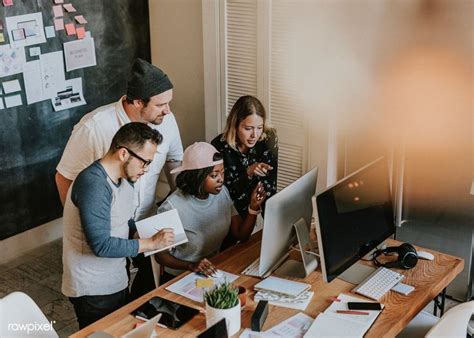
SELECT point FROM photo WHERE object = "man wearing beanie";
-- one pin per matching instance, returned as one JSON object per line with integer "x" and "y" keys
{"x": 149, "y": 93}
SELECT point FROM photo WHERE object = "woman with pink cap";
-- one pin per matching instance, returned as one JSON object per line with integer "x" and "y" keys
{"x": 206, "y": 211}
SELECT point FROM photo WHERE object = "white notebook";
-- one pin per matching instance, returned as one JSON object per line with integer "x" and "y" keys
{"x": 283, "y": 286}
{"x": 331, "y": 323}
{"x": 169, "y": 219}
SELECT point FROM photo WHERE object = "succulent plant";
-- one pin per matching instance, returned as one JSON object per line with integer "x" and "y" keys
{"x": 223, "y": 296}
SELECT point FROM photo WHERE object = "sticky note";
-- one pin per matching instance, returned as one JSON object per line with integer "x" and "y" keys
{"x": 70, "y": 29}
{"x": 69, "y": 7}
{"x": 11, "y": 86}
{"x": 204, "y": 283}
{"x": 58, "y": 1}
{"x": 2, "y": 37}
{"x": 58, "y": 24}
{"x": 7, "y": 3}
{"x": 35, "y": 51}
{"x": 58, "y": 11}
{"x": 13, "y": 101}
{"x": 81, "y": 32}
{"x": 80, "y": 19}
{"x": 50, "y": 33}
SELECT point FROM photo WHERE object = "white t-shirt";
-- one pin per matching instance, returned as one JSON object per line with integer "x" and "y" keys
{"x": 91, "y": 138}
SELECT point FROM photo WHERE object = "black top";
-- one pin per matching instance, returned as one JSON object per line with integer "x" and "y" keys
{"x": 236, "y": 164}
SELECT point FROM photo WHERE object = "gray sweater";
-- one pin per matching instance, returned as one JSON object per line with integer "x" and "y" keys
{"x": 97, "y": 222}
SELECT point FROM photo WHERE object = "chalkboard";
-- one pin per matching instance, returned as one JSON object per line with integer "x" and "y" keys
{"x": 32, "y": 137}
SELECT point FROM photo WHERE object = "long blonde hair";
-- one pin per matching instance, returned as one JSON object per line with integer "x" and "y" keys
{"x": 243, "y": 107}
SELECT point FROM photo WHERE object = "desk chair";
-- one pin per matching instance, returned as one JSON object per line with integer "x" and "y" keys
{"x": 454, "y": 323}
{"x": 20, "y": 317}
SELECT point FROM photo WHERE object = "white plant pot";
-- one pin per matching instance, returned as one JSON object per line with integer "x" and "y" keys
{"x": 232, "y": 317}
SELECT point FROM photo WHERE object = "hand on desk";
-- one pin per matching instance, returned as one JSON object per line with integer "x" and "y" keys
{"x": 204, "y": 267}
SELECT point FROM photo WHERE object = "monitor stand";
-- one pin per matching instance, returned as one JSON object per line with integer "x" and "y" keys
{"x": 357, "y": 273}
{"x": 294, "y": 268}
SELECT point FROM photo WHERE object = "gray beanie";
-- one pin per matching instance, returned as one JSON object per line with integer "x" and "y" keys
{"x": 146, "y": 81}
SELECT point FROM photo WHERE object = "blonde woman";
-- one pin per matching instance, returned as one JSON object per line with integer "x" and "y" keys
{"x": 250, "y": 151}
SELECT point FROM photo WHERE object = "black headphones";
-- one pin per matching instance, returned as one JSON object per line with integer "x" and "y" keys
{"x": 407, "y": 256}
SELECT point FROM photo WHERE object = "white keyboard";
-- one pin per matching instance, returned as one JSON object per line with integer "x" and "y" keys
{"x": 252, "y": 269}
{"x": 378, "y": 283}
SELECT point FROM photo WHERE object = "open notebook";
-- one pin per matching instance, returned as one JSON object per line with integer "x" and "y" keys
{"x": 330, "y": 323}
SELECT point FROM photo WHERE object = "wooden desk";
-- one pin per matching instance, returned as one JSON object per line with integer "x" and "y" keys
{"x": 429, "y": 278}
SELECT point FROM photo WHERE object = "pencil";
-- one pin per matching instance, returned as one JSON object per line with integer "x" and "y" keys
{"x": 351, "y": 312}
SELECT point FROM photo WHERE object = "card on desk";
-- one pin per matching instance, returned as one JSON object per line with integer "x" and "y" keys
{"x": 283, "y": 286}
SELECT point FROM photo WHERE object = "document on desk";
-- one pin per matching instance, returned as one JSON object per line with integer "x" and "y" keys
{"x": 169, "y": 219}
{"x": 331, "y": 323}
{"x": 294, "y": 327}
{"x": 187, "y": 286}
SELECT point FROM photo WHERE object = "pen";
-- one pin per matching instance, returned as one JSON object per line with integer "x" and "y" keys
{"x": 351, "y": 312}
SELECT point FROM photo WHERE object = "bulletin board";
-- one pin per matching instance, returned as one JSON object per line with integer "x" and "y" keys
{"x": 59, "y": 59}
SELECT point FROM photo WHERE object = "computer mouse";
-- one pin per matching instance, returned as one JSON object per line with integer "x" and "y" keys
{"x": 217, "y": 274}
{"x": 425, "y": 255}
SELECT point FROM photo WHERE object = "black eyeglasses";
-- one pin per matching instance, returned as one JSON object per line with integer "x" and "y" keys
{"x": 145, "y": 163}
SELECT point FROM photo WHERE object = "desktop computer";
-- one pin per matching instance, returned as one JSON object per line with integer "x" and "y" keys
{"x": 353, "y": 217}
{"x": 289, "y": 207}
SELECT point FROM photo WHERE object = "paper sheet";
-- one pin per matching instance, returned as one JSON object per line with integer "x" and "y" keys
{"x": 30, "y": 24}
{"x": 186, "y": 286}
{"x": 79, "y": 54}
{"x": 11, "y": 60}
{"x": 68, "y": 95}
{"x": 11, "y": 86}
{"x": 13, "y": 101}
{"x": 52, "y": 72}
{"x": 50, "y": 33}
{"x": 33, "y": 82}
{"x": 294, "y": 327}
{"x": 35, "y": 51}
{"x": 170, "y": 219}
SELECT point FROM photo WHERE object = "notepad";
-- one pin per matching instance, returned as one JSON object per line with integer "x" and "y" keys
{"x": 170, "y": 219}
{"x": 331, "y": 323}
{"x": 283, "y": 286}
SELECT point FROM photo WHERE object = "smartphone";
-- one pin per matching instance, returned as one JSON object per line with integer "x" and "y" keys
{"x": 173, "y": 315}
{"x": 364, "y": 306}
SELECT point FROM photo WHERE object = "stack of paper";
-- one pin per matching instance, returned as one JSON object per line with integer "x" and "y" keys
{"x": 282, "y": 286}
{"x": 331, "y": 323}
{"x": 299, "y": 302}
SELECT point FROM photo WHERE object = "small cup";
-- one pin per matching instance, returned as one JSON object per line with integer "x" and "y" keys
{"x": 242, "y": 295}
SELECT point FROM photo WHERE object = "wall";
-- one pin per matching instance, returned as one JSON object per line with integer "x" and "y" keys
{"x": 176, "y": 47}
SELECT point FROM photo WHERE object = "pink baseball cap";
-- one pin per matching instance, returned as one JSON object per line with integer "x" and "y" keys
{"x": 199, "y": 155}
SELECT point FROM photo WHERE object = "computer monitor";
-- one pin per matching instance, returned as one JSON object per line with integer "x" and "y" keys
{"x": 353, "y": 217}
{"x": 282, "y": 211}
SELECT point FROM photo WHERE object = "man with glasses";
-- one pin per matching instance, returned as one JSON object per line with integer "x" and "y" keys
{"x": 149, "y": 93}
{"x": 98, "y": 224}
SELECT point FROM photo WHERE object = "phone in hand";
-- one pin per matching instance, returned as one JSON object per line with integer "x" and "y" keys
{"x": 173, "y": 315}
{"x": 364, "y": 306}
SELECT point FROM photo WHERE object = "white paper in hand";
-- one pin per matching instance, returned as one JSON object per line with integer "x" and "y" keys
{"x": 170, "y": 219}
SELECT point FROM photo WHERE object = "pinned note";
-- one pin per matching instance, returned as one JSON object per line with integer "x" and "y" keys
{"x": 50, "y": 33}
{"x": 70, "y": 28}
{"x": 2, "y": 37}
{"x": 58, "y": 24}
{"x": 58, "y": 11}
{"x": 58, "y": 1}
{"x": 35, "y": 51}
{"x": 81, "y": 32}
{"x": 7, "y": 3}
{"x": 13, "y": 101}
{"x": 11, "y": 86}
{"x": 80, "y": 19}
{"x": 204, "y": 283}
{"x": 69, "y": 7}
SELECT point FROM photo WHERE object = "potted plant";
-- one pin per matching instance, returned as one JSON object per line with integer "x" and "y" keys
{"x": 223, "y": 302}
